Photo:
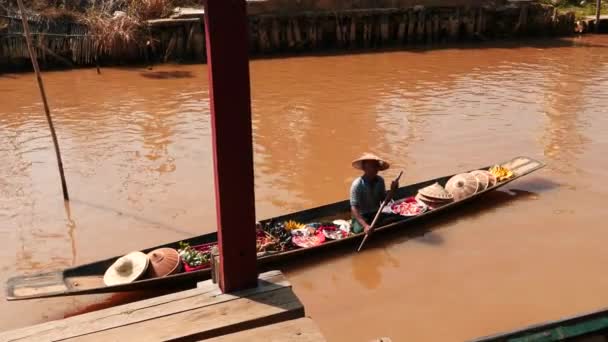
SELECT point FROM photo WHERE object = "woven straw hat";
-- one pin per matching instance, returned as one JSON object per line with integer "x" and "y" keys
{"x": 435, "y": 192}
{"x": 482, "y": 178}
{"x": 462, "y": 185}
{"x": 126, "y": 269}
{"x": 358, "y": 163}
{"x": 163, "y": 262}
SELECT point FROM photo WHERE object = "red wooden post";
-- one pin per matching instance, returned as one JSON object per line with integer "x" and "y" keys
{"x": 228, "y": 63}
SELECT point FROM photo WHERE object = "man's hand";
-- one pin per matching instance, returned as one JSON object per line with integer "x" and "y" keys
{"x": 366, "y": 228}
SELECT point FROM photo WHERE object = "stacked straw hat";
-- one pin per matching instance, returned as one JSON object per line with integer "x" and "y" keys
{"x": 462, "y": 186}
{"x": 434, "y": 196}
{"x": 485, "y": 179}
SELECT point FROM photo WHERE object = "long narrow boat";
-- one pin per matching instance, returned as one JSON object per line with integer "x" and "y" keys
{"x": 588, "y": 327}
{"x": 88, "y": 278}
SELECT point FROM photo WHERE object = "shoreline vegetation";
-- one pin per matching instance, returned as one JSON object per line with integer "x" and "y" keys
{"x": 72, "y": 33}
{"x": 581, "y": 8}
{"x": 113, "y": 24}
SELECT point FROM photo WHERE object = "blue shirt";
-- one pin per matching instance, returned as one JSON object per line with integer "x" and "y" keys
{"x": 367, "y": 196}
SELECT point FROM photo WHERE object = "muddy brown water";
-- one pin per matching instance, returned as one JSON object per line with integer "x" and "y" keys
{"x": 136, "y": 147}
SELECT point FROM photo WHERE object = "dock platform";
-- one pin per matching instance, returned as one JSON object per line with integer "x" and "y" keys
{"x": 270, "y": 312}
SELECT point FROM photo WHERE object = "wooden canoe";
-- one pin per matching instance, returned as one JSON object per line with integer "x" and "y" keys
{"x": 587, "y": 327}
{"x": 88, "y": 278}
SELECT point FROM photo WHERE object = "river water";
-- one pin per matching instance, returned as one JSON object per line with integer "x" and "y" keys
{"x": 136, "y": 148}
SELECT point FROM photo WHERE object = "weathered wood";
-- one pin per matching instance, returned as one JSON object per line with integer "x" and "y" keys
{"x": 384, "y": 28}
{"x": 209, "y": 321}
{"x": 205, "y": 294}
{"x": 298, "y": 330}
{"x": 411, "y": 26}
{"x": 353, "y": 31}
{"x": 296, "y": 32}
{"x": 523, "y": 19}
{"x": 420, "y": 26}
{"x": 276, "y": 34}
{"x": 598, "y": 12}
{"x": 401, "y": 29}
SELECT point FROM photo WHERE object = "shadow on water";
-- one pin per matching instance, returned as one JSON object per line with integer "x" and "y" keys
{"x": 155, "y": 224}
{"x": 162, "y": 75}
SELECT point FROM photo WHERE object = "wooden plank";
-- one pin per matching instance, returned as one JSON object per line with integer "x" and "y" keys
{"x": 209, "y": 321}
{"x": 206, "y": 294}
{"x": 298, "y": 330}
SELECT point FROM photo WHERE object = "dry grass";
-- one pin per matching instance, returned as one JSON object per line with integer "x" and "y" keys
{"x": 114, "y": 35}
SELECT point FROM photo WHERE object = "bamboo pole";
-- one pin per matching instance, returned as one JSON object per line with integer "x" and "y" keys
{"x": 30, "y": 48}
{"x": 598, "y": 10}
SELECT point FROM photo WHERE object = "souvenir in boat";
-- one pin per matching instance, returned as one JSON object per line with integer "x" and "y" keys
{"x": 343, "y": 224}
{"x": 483, "y": 178}
{"x": 163, "y": 262}
{"x": 265, "y": 242}
{"x": 436, "y": 192}
{"x": 291, "y": 225}
{"x": 462, "y": 186}
{"x": 126, "y": 269}
{"x": 306, "y": 241}
{"x": 408, "y": 207}
{"x": 195, "y": 258}
{"x": 491, "y": 179}
{"x": 432, "y": 203}
{"x": 333, "y": 232}
{"x": 501, "y": 173}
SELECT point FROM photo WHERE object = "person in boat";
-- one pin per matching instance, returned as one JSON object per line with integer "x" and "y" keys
{"x": 368, "y": 191}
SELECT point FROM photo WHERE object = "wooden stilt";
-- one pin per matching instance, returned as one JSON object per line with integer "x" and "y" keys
{"x": 296, "y": 32}
{"x": 598, "y": 12}
{"x": 49, "y": 119}
{"x": 401, "y": 29}
{"x": 411, "y": 26}
{"x": 384, "y": 28}
{"x": 228, "y": 65}
{"x": 352, "y": 36}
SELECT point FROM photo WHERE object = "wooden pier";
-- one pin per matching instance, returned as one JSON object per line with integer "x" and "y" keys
{"x": 269, "y": 312}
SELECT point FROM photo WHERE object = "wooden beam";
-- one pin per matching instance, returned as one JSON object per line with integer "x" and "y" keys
{"x": 209, "y": 321}
{"x": 297, "y": 330}
{"x": 228, "y": 64}
{"x": 199, "y": 312}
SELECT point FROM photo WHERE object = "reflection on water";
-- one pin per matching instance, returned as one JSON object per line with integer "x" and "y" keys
{"x": 367, "y": 267}
{"x": 137, "y": 152}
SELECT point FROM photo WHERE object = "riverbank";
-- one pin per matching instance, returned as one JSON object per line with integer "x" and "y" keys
{"x": 283, "y": 27}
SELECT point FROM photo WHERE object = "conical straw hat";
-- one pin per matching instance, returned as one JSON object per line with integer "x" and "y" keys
{"x": 436, "y": 192}
{"x": 126, "y": 269}
{"x": 482, "y": 178}
{"x": 462, "y": 186}
{"x": 358, "y": 163}
{"x": 432, "y": 203}
{"x": 163, "y": 262}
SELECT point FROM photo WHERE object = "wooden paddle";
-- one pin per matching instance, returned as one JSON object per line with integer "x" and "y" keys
{"x": 389, "y": 195}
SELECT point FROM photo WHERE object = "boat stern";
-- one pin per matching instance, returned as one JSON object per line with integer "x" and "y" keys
{"x": 36, "y": 285}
